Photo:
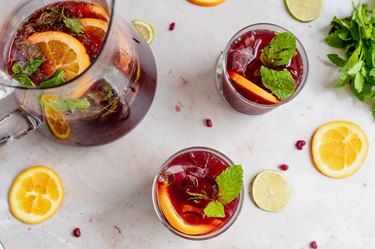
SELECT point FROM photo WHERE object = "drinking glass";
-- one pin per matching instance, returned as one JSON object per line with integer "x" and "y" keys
{"x": 183, "y": 169}
{"x": 226, "y": 88}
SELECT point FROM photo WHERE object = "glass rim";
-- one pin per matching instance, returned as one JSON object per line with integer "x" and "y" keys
{"x": 110, "y": 22}
{"x": 160, "y": 214}
{"x": 300, "y": 48}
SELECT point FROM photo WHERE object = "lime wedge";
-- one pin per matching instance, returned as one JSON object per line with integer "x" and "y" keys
{"x": 144, "y": 29}
{"x": 271, "y": 191}
{"x": 305, "y": 10}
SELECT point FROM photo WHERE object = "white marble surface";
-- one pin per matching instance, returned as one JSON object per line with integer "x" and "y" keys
{"x": 110, "y": 186}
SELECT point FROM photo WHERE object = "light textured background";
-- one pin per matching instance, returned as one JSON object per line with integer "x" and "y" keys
{"x": 110, "y": 186}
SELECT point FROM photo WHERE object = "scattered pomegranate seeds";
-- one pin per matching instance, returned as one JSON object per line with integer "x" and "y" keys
{"x": 208, "y": 122}
{"x": 77, "y": 232}
{"x": 300, "y": 144}
{"x": 314, "y": 245}
{"x": 171, "y": 26}
{"x": 284, "y": 167}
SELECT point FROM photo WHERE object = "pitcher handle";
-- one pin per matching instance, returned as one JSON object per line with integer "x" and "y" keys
{"x": 17, "y": 124}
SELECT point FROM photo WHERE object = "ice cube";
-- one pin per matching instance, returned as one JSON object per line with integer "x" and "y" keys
{"x": 200, "y": 158}
{"x": 172, "y": 174}
{"x": 242, "y": 58}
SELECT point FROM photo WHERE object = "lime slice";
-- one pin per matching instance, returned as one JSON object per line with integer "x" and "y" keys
{"x": 271, "y": 191}
{"x": 303, "y": 10}
{"x": 144, "y": 29}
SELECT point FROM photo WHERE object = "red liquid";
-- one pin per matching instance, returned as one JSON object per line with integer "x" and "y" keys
{"x": 195, "y": 172}
{"x": 244, "y": 58}
{"x": 112, "y": 112}
{"x": 44, "y": 20}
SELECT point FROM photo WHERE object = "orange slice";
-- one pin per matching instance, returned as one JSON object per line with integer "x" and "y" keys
{"x": 36, "y": 194}
{"x": 252, "y": 88}
{"x": 99, "y": 10}
{"x": 95, "y": 24}
{"x": 57, "y": 123}
{"x": 339, "y": 148}
{"x": 206, "y": 3}
{"x": 175, "y": 221}
{"x": 62, "y": 51}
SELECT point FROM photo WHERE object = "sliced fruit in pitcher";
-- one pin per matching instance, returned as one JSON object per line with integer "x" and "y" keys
{"x": 62, "y": 51}
{"x": 36, "y": 194}
{"x": 56, "y": 121}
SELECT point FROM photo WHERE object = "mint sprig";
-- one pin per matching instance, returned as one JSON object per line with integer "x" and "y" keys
{"x": 230, "y": 185}
{"x": 281, "y": 83}
{"x": 68, "y": 104}
{"x": 279, "y": 51}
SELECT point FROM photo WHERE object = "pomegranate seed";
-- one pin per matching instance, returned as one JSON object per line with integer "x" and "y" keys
{"x": 300, "y": 144}
{"x": 171, "y": 26}
{"x": 284, "y": 167}
{"x": 314, "y": 245}
{"x": 208, "y": 122}
{"x": 77, "y": 232}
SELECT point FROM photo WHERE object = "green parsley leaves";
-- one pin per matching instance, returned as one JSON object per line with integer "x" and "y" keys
{"x": 355, "y": 34}
{"x": 278, "y": 53}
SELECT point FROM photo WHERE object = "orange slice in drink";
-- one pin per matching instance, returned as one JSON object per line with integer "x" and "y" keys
{"x": 253, "y": 90}
{"x": 62, "y": 51}
{"x": 36, "y": 194}
{"x": 176, "y": 222}
{"x": 206, "y": 3}
{"x": 95, "y": 26}
{"x": 99, "y": 10}
{"x": 57, "y": 123}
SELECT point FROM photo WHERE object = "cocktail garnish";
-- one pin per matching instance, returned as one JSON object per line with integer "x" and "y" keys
{"x": 280, "y": 50}
{"x": 57, "y": 79}
{"x": 65, "y": 104}
{"x": 230, "y": 185}
{"x": 280, "y": 83}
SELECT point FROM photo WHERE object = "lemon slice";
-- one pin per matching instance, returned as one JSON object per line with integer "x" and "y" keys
{"x": 206, "y": 3}
{"x": 271, "y": 191}
{"x": 339, "y": 148}
{"x": 305, "y": 10}
{"x": 36, "y": 194}
{"x": 144, "y": 29}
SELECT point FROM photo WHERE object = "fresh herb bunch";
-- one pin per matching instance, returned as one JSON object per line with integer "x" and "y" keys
{"x": 355, "y": 34}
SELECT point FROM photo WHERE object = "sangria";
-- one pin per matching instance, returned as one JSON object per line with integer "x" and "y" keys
{"x": 263, "y": 66}
{"x": 191, "y": 196}
{"x": 86, "y": 75}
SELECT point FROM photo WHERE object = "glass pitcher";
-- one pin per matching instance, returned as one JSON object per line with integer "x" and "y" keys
{"x": 103, "y": 103}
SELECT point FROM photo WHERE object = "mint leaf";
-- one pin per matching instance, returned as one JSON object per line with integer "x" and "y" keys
{"x": 229, "y": 183}
{"x": 67, "y": 104}
{"x": 214, "y": 209}
{"x": 280, "y": 50}
{"x": 57, "y": 79}
{"x": 281, "y": 83}
{"x": 27, "y": 68}
{"x": 337, "y": 60}
{"x": 25, "y": 80}
{"x": 73, "y": 24}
